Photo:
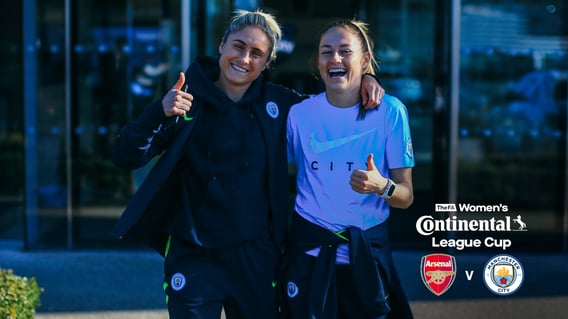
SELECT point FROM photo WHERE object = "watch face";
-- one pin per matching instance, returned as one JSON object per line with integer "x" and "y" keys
{"x": 390, "y": 190}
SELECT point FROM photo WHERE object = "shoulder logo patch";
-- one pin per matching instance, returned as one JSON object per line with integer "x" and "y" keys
{"x": 292, "y": 289}
{"x": 272, "y": 109}
{"x": 178, "y": 281}
{"x": 409, "y": 149}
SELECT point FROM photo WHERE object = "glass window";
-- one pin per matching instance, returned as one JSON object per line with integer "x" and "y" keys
{"x": 512, "y": 118}
{"x": 11, "y": 128}
{"x": 46, "y": 130}
{"x": 125, "y": 56}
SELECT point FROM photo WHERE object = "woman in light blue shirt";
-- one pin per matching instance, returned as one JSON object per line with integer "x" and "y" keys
{"x": 352, "y": 165}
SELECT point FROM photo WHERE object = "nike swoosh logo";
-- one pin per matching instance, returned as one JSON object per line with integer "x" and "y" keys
{"x": 320, "y": 147}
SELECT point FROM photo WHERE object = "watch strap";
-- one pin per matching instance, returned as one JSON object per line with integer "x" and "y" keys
{"x": 389, "y": 189}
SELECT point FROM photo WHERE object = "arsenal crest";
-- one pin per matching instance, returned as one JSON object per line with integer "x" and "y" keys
{"x": 438, "y": 272}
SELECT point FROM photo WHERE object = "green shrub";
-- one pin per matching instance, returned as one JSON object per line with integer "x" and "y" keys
{"x": 19, "y": 296}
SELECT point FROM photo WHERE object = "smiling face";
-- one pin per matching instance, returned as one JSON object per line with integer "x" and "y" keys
{"x": 341, "y": 61}
{"x": 244, "y": 55}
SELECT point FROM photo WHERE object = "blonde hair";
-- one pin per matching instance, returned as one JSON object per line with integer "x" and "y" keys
{"x": 262, "y": 20}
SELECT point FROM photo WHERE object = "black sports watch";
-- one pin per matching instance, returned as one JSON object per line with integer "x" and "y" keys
{"x": 389, "y": 190}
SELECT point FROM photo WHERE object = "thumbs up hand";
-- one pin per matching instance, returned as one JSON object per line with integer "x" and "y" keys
{"x": 177, "y": 102}
{"x": 368, "y": 181}
{"x": 371, "y": 163}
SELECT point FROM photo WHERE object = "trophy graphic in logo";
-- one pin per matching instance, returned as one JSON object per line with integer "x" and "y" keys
{"x": 438, "y": 272}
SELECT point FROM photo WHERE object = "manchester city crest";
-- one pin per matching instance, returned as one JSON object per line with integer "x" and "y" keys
{"x": 503, "y": 274}
{"x": 292, "y": 289}
{"x": 272, "y": 109}
{"x": 178, "y": 281}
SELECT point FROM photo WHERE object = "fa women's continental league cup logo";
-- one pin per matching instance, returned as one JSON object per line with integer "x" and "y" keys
{"x": 438, "y": 272}
{"x": 503, "y": 274}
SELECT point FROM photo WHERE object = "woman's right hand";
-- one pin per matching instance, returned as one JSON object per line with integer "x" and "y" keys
{"x": 177, "y": 102}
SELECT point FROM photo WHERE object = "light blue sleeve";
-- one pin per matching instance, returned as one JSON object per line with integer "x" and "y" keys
{"x": 399, "y": 152}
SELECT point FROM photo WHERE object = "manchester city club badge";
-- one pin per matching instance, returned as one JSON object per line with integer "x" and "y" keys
{"x": 178, "y": 281}
{"x": 292, "y": 289}
{"x": 272, "y": 109}
{"x": 503, "y": 275}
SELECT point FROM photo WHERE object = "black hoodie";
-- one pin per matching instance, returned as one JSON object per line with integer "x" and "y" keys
{"x": 164, "y": 199}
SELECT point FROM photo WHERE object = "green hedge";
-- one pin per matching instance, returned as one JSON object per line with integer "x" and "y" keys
{"x": 19, "y": 296}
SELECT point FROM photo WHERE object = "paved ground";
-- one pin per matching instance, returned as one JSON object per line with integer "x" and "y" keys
{"x": 127, "y": 284}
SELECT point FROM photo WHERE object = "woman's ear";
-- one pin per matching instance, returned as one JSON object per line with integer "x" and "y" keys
{"x": 366, "y": 60}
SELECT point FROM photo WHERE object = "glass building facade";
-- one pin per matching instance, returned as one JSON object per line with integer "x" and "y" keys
{"x": 484, "y": 82}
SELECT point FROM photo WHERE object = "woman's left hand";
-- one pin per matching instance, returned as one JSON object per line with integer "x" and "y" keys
{"x": 371, "y": 92}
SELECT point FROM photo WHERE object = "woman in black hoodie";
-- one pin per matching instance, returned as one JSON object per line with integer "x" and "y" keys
{"x": 216, "y": 203}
